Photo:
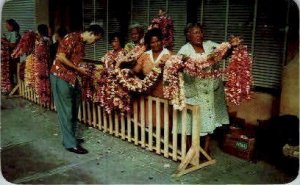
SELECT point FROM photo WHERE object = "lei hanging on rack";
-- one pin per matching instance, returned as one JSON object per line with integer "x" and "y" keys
{"x": 26, "y": 44}
{"x": 6, "y": 84}
{"x": 237, "y": 87}
{"x": 41, "y": 70}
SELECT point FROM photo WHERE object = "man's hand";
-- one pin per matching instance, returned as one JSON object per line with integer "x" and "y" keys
{"x": 84, "y": 71}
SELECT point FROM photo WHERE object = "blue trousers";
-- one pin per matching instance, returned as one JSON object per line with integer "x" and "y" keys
{"x": 67, "y": 102}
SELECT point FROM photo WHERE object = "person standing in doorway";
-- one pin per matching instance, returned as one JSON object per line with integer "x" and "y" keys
{"x": 65, "y": 82}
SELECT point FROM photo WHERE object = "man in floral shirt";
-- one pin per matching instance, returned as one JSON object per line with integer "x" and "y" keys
{"x": 65, "y": 80}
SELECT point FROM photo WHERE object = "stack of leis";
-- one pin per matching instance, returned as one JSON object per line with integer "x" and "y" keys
{"x": 29, "y": 71}
{"x": 239, "y": 76}
{"x": 6, "y": 85}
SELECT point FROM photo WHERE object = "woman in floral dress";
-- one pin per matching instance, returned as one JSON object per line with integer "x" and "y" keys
{"x": 207, "y": 93}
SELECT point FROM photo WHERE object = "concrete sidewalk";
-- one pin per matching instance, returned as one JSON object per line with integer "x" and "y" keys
{"x": 31, "y": 152}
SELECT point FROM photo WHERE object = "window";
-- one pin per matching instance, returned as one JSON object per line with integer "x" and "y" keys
{"x": 263, "y": 28}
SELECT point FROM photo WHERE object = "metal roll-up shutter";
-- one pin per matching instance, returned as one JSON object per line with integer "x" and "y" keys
{"x": 140, "y": 12}
{"x": 114, "y": 23}
{"x": 155, "y": 5}
{"x": 269, "y": 43}
{"x": 240, "y": 20}
{"x": 214, "y": 20}
{"x": 177, "y": 10}
{"x": 23, "y": 11}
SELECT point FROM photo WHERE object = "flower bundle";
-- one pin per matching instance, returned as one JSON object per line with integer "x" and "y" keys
{"x": 26, "y": 44}
{"x": 6, "y": 84}
{"x": 41, "y": 71}
{"x": 239, "y": 76}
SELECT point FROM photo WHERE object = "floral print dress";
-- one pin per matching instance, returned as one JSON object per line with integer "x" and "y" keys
{"x": 207, "y": 93}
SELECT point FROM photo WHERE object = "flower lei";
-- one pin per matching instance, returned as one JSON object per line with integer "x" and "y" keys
{"x": 110, "y": 94}
{"x": 6, "y": 84}
{"x": 87, "y": 84}
{"x": 238, "y": 86}
{"x": 41, "y": 71}
{"x": 115, "y": 85}
{"x": 239, "y": 76}
{"x": 133, "y": 83}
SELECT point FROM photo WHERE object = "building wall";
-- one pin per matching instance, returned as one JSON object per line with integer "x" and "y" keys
{"x": 289, "y": 103}
{"x": 42, "y": 12}
{"x": 263, "y": 106}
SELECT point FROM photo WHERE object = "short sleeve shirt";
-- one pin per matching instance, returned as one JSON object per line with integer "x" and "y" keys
{"x": 73, "y": 47}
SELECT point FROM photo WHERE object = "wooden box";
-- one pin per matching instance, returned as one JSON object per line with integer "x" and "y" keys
{"x": 242, "y": 146}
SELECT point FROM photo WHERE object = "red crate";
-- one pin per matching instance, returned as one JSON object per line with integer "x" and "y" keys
{"x": 242, "y": 147}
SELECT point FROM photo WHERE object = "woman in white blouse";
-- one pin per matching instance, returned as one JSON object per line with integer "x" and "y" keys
{"x": 208, "y": 93}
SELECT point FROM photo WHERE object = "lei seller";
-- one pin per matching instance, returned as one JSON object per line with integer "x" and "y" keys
{"x": 136, "y": 35}
{"x": 150, "y": 60}
{"x": 65, "y": 74}
{"x": 117, "y": 43}
{"x": 208, "y": 93}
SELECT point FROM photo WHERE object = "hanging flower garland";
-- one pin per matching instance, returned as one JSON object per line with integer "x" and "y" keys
{"x": 6, "y": 84}
{"x": 172, "y": 81}
{"x": 239, "y": 76}
{"x": 87, "y": 85}
{"x": 238, "y": 72}
{"x": 202, "y": 66}
{"x": 26, "y": 44}
{"x": 41, "y": 71}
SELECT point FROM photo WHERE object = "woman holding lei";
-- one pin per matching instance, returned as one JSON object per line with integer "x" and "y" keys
{"x": 207, "y": 92}
{"x": 150, "y": 60}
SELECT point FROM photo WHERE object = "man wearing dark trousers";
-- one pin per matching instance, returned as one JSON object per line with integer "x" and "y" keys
{"x": 65, "y": 82}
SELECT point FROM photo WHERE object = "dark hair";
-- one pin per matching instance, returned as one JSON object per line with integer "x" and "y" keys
{"x": 119, "y": 36}
{"x": 155, "y": 32}
{"x": 14, "y": 24}
{"x": 43, "y": 30}
{"x": 96, "y": 29}
{"x": 61, "y": 32}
